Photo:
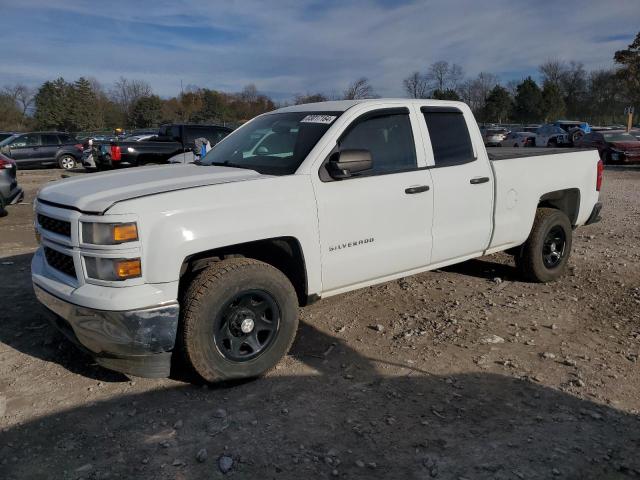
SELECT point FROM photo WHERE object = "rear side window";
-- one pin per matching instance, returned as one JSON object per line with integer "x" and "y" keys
{"x": 389, "y": 139}
{"x": 64, "y": 138}
{"x": 449, "y": 136}
{"x": 49, "y": 139}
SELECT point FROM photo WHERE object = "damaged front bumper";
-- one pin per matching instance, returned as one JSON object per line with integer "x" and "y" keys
{"x": 137, "y": 342}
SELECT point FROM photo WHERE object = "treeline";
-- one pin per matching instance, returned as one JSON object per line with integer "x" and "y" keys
{"x": 85, "y": 105}
{"x": 564, "y": 89}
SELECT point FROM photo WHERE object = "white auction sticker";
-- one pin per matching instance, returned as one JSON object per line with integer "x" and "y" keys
{"x": 326, "y": 119}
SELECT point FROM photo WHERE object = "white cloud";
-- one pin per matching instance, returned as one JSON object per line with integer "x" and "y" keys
{"x": 303, "y": 46}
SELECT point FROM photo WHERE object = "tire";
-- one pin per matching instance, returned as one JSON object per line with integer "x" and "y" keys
{"x": 551, "y": 233}
{"x": 220, "y": 303}
{"x": 553, "y": 143}
{"x": 3, "y": 211}
{"x": 67, "y": 162}
{"x": 515, "y": 145}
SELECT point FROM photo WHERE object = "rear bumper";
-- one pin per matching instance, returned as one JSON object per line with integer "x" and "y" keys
{"x": 138, "y": 342}
{"x": 16, "y": 196}
{"x": 595, "y": 214}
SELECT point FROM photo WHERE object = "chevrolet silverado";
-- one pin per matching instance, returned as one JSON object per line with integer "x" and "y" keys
{"x": 206, "y": 264}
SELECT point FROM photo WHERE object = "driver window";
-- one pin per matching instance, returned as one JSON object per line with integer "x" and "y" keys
{"x": 389, "y": 139}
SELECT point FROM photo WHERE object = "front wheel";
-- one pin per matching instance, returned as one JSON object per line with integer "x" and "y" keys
{"x": 545, "y": 254}
{"x": 67, "y": 162}
{"x": 240, "y": 318}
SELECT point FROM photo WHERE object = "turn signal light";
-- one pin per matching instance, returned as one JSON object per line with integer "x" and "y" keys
{"x": 128, "y": 268}
{"x": 125, "y": 232}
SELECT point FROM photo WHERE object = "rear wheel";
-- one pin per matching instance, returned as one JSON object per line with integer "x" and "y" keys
{"x": 553, "y": 143}
{"x": 67, "y": 162}
{"x": 240, "y": 318}
{"x": 545, "y": 254}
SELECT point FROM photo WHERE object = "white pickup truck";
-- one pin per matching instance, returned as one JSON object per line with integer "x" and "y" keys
{"x": 208, "y": 263}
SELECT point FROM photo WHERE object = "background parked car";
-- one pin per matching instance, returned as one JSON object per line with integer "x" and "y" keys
{"x": 493, "y": 136}
{"x": 575, "y": 129}
{"x": 519, "y": 139}
{"x": 43, "y": 148}
{"x": 550, "y": 135}
{"x": 10, "y": 192}
{"x": 4, "y": 135}
{"x": 614, "y": 146}
{"x": 530, "y": 128}
{"x": 172, "y": 141}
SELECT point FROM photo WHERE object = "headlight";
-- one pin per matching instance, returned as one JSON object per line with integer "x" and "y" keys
{"x": 109, "y": 233}
{"x": 113, "y": 269}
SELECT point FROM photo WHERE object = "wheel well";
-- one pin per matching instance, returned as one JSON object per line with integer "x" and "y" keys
{"x": 567, "y": 201}
{"x": 283, "y": 253}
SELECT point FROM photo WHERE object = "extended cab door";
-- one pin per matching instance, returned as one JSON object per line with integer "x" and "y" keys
{"x": 25, "y": 149}
{"x": 462, "y": 185}
{"x": 377, "y": 223}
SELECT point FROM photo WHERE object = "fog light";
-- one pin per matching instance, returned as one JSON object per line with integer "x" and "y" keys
{"x": 128, "y": 268}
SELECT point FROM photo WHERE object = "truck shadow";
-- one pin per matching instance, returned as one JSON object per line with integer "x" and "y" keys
{"x": 25, "y": 327}
{"x": 332, "y": 414}
{"x": 486, "y": 268}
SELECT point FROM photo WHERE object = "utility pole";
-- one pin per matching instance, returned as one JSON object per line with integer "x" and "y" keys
{"x": 629, "y": 112}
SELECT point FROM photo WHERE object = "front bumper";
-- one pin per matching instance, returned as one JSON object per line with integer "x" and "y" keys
{"x": 138, "y": 342}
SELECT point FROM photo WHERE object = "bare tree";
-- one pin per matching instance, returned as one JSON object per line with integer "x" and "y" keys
{"x": 512, "y": 87}
{"x": 22, "y": 95}
{"x": 127, "y": 92}
{"x": 416, "y": 85}
{"x": 455, "y": 76}
{"x": 553, "y": 72}
{"x": 249, "y": 93}
{"x": 437, "y": 75}
{"x": 359, "y": 89}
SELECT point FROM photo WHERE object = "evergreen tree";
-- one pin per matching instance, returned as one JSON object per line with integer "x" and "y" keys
{"x": 553, "y": 106}
{"x": 53, "y": 108}
{"x": 528, "y": 101}
{"x": 498, "y": 106}
{"x": 146, "y": 112}
{"x": 447, "y": 94}
{"x": 84, "y": 111}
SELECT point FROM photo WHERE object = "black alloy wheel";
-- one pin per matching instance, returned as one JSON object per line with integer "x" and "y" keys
{"x": 247, "y": 325}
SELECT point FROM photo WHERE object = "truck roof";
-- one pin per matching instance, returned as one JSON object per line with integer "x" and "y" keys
{"x": 343, "y": 105}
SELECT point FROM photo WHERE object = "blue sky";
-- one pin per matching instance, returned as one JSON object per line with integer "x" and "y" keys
{"x": 286, "y": 47}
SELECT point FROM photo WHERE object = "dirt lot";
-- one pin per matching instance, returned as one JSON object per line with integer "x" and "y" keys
{"x": 472, "y": 374}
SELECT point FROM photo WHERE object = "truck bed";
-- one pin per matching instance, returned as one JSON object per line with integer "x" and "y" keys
{"x": 506, "y": 153}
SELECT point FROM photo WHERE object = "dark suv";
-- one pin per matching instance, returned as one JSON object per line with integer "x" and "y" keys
{"x": 43, "y": 148}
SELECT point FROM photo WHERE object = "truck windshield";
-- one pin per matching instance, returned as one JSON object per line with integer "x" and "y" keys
{"x": 274, "y": 144}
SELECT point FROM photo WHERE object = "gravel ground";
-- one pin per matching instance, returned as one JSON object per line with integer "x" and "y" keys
{"x": 463, "y": 373}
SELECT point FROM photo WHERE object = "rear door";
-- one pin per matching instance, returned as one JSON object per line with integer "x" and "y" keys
{"x": 50, "y": 144}
{"x": 462, "y": 185}
{"x": 378, "y": 223}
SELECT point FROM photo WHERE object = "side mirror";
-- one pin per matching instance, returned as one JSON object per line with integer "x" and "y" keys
{"x": 345, "y": 163}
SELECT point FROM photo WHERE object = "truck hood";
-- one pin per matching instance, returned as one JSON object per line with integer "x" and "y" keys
{"x": 96, "y": 193}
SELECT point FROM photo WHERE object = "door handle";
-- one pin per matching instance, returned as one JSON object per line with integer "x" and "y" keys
{"x": 419, "y": 189}
{"x": 477, "y": 180}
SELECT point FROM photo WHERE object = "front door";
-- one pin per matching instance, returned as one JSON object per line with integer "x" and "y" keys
{"x": 463, "y": 187}
{"x": 25, "y": 149}
{"x": 378, "y": 223}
